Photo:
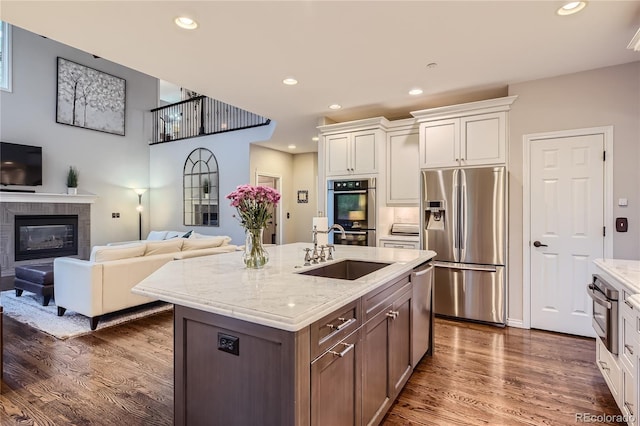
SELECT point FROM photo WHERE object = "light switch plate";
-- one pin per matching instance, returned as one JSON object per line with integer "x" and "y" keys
{"x": 622, "y": 202}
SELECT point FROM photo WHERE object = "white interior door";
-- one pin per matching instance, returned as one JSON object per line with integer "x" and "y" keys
{"x": 567, "y": 219}
{"x": 270, "y": 235}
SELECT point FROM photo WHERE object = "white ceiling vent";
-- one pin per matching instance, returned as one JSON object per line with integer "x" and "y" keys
{"x": 635, "y": 42}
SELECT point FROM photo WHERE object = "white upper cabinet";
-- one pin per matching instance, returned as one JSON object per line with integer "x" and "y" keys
{"x": 351, "y": 149}
{"x": 464, "y": 135}
{"x": 403, "y": 170}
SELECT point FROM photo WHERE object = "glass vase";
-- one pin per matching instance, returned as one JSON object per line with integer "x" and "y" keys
{"x": 255, "y": 256}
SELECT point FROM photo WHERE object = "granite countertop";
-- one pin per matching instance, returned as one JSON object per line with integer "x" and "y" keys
{"x": 627, "y": 272}
{"x": 276, "y": 295}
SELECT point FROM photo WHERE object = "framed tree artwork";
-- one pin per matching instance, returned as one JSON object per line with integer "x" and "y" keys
{"x": 89, "y": 98}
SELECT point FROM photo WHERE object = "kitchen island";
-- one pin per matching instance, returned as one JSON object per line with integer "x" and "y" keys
{"x": 274, "y": 346}
{"x": 619, "y": 367}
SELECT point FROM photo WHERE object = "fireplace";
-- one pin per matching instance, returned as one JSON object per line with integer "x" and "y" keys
{"x": 45, "y": 236}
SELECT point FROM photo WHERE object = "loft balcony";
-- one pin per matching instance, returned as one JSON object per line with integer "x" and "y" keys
{"x": 199, "y": 116}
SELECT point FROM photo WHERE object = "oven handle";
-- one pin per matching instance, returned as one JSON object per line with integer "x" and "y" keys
{"x": 359, "y": 191}
{"x": 356, "y": 232}
{"x": 598, "y": 297}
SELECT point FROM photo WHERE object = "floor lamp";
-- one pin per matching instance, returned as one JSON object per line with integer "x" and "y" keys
{"x": 140, "y": 191}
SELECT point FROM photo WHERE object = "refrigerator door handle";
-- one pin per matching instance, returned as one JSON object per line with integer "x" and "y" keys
{"x": 465, "y": 267}
{"x": 463, "y": 212}
{"x": 455, "y": 216}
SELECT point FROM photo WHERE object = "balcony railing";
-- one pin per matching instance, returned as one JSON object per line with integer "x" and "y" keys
{"x": 200, "y": 116}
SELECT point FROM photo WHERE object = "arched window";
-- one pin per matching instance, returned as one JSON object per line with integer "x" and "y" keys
{"x": 201, "y": 189}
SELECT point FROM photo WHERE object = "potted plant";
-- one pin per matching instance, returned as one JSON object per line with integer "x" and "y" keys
{"x": 72, "y": 181}
{"x": 205, "y": 187}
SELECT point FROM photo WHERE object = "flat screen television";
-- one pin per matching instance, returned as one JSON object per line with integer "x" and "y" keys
{"x": 20, "y": 164}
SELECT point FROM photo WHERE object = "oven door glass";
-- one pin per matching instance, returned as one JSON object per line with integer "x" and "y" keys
{"x": 350, "y": 209}
{"x": 353, "y": 238}
{"x": 600, "y": 320}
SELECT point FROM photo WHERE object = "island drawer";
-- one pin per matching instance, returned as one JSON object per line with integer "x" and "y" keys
{"x": 378, "y": 299}
{"x": 329, "y": 330}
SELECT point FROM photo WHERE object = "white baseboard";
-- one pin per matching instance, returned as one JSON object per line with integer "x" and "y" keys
{"x": 515, "y": 323}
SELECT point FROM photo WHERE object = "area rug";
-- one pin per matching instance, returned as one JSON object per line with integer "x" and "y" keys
{"x": 29, "y": 310}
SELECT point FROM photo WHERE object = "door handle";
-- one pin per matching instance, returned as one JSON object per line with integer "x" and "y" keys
{"x": 539, "y": 244}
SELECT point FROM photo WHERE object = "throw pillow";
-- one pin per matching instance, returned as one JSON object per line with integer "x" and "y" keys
{"x": 124, "y": 251}
{"x": 173, "y": 234}
{"x": 188, "y": 234}
{"x": 162, "y": 247}
{"x": 156, "y": 235}
{"x": 201, "y": 243}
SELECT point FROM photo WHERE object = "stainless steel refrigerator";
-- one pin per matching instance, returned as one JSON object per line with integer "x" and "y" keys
{"x": 463, "y": 219}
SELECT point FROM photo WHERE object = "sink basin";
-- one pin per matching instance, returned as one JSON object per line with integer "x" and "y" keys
{"x": 346, "y": 269}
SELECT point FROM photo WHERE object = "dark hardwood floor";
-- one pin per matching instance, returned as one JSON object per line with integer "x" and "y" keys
{"x": 479, "y": 375}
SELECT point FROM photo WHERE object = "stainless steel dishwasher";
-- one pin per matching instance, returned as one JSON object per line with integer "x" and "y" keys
{"x": 422, "y": 312}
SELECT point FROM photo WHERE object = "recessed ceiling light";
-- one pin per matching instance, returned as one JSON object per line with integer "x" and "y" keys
{"x": 315, "y": 139}
{"x": 290, "y": 81}
{"x": 291, "y": 147}
{"x": 571, "y": 7}
{"x": 186, "y": 23}
{"x": 415, "y": 92}
{"x": 335, "y": 106}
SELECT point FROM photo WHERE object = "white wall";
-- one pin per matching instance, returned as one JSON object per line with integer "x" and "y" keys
{"x": 602, "y": 97}
{"x": 167, "y": 165}
{"x": 305, "y": 177}
{"x": 109, "y": 165}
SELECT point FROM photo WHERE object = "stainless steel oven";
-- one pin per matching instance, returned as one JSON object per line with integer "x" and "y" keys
{"x": 352, "y": 204}
{"x": 605, "y": 312}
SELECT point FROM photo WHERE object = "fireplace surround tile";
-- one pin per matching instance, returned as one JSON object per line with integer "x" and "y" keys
{"x": 8, "y": 211}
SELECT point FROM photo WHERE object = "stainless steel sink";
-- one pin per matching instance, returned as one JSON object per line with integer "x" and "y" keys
{"x": 346, "y": 269}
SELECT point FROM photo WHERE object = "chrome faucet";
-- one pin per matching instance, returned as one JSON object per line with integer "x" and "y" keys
{"x": 315, "y": 256}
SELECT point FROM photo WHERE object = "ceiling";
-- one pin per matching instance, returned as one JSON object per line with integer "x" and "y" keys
{"x": 363, "y": 55}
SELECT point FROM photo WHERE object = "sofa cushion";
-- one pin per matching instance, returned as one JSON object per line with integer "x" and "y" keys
{"x": 163, "y": 247}
{"x": 156, "y": 235}
{"x": 124, "y": 251}
{"x": 202, "y": 243}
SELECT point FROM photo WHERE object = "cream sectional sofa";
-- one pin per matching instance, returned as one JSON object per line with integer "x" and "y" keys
{"x": 103, "y": 283}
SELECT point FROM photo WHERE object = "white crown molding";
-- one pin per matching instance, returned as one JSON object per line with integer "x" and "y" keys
{"x": 470, "y": 108}
{"x": 40, "y": 197}
{"x": 635, "y": 42}
{"x": 367, "y": 123}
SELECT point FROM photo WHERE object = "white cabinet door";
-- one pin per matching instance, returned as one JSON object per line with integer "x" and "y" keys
{"x": 403, "y": 168}
{"x": 364, "y": 158}
{"x": 439, "y": 143}
{"x": 483, "y": 139}
{"x": 354, "y": 153}
{"x": 466, "y": 141}
{"x": 338, "y": 149}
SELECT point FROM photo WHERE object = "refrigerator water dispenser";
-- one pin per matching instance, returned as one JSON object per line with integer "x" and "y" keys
{"x": 434, "y": 215}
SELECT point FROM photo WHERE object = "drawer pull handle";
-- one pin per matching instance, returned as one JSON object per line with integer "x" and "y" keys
{"x": 393, "y": 314}
{"x": 626, "y": 302}
{"x": 345, "y": 323}
{"x": 348, "y": 347}
{"x": 604, "y": 365}
{"x": 629, "y": 348}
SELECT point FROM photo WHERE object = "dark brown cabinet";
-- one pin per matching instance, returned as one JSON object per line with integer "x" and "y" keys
{"x": 335, "y": 384}
{"x": 386, "y": 355}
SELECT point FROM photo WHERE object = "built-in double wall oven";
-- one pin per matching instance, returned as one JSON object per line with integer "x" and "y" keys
{"x": 352, "y": 205}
